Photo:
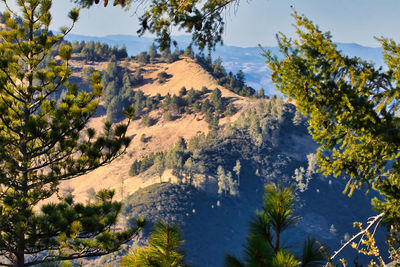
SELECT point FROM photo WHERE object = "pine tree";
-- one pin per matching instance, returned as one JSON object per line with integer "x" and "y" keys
{"x": 189, "y": 168}
{"x": 232, "y": 185}
{"x": 298, "y": 118}
{"x": 189, "y": 52}
{"x": 236, "y": 169}
{"x": 222, "y": 184}
{"x": 153, "y": 52}
{"x": 163, "y": 249}
{"x": 45, "y": 142}
{"x": 159, "y": 166}
{"x": 263, "y": 245}
{"x": 216, "y": 98}
{"x": 353, "y": 109}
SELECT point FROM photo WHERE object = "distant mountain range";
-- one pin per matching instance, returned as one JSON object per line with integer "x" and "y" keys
{"x": 247, "y": 59}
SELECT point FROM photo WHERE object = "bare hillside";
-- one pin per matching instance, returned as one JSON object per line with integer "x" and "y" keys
{"x": 182, "y": 73}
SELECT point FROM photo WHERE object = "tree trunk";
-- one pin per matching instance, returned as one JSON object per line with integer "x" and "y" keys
{"x": 20, "y": 259}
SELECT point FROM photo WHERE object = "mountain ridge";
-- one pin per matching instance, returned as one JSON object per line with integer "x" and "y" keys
{"x": 234, "y": 58}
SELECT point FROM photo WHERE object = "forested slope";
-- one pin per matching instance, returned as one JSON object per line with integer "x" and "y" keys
{"x": 203, "y": 147}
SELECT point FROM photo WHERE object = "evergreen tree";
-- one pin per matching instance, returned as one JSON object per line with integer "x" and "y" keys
{"x": 43, "y": 143}
{"x": 216, "y": 99}
{"x": 189, "y": 52}
{"x": 143, "y": 58}
{"x": 232, "y": 185}
{"x": 163, "y": 249}
{"x": 166, "y": 53}
{"x": 189, "y": 168}
{"x": 236, "y": 169}
{"x": 223, "y": 186}
{"x": 298, "y": 118}
{"x": 261, "y": 93}
{"x": 159, "y": 166}
{"x": 153, "y": 52}
{"x": 263, "y": 246}
{"x": 353, "y": 109}
{"x": 240, "y": 78}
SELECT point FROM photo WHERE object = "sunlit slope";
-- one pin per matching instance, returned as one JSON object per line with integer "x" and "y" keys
{"x": 182, "y": 73}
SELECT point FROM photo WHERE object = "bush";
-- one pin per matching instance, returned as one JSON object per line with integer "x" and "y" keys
{"x": 148, "y": 121}
{"x": 183, "y": 91}
{"x": 168, "y": 116}
{"x": 230, "y": 109}
{"x": 143, "y": 58}
{"x": 172, "y": 58}
{"x": 162, "y": 77}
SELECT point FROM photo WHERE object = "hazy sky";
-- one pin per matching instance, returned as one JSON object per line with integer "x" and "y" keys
{"x": 257, "y": 22}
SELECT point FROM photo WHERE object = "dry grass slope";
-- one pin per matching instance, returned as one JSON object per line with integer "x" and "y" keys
{"x": 183, "y": 73}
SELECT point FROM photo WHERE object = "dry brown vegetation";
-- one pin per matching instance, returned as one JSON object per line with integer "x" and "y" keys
{"x": 183, "y": 73}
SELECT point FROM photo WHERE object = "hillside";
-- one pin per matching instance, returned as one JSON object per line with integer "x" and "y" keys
{"x": 184, "y": 73}
{"x": 216, "y": 223}
{"x": 181, "y": 167}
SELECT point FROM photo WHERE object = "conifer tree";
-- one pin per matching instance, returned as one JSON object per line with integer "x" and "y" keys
{"x": 189, "y": 167}
{"x": 163, "y": 249}
{"x": 297, "y": 118}
{"x": 152, "y": 52}
{"x": 263, "y": 246}
{"x": 216, "y": 98}
{"x": 44, "y": 142}
{"x": 236, "y": 169}
{"x": 159, "y": 166}
{"x": 232, "y": 185}
{"x": 353, "y": 109}
{"x": 222, "y": 184}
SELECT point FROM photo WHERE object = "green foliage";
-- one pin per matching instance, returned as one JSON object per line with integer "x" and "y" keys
{"x": 298, "y": 118}
{"x": 168, "y": 116}
{"x": 204, "y": 20}
{"x": 162, "y": 250}
{"x": 153, "y": 53}
{"x": 44, "y": 141}
{"x": 234, "y": 83}
{"x": 148, "y": 121}
{"x": 162, "y": 77}
{"x": 96, "y": 51}
{"x": 216, "y": 99}
{"x": 162, "y": 201}
{"x": 143, "y": 138}
{"x": 189, "y": 52}
{"x": 353, "y": 109}
{"x": 119, "y": 93}
{"x": 263, "y": 246}
{"x": 258, "y": 129}
{"x": 195, "y": 101}
{"x": 222, "y": 183}
{"x": 143, "y": 58}
{"x": 170, "y": 57}
{"x": 182, "y": 92}
{"x": 86, "y": 73}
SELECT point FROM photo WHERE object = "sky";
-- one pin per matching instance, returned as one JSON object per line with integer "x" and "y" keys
{"x": 257, "y": 21}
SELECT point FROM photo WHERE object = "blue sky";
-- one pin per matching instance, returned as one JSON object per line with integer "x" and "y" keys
{"x": 257, "y": 22}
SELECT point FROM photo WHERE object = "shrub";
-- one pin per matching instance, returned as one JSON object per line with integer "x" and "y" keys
{"x": 162, "y": 77}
